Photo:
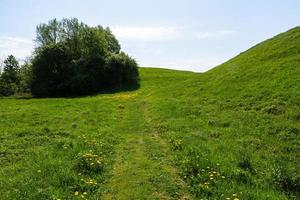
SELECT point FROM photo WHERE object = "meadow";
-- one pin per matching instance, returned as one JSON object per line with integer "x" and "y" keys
{"x": 229, "y": 133}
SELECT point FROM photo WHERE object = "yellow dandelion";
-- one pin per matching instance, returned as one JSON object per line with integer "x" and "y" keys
{"x": 76, "y": 193}
{"x": 85, "y": 193}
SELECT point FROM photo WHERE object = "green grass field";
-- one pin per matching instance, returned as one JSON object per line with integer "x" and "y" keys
{"x": 229, "y": 133}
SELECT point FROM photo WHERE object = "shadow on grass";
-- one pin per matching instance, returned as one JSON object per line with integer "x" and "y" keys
{"x": 114, "y": 90}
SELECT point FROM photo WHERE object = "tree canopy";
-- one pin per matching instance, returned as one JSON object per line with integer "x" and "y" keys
{"x": 72, "y": 58}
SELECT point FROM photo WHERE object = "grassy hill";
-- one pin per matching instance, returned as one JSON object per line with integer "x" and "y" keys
{"x": 232, "y": 132}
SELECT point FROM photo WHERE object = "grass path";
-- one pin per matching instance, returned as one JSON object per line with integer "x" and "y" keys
{"x": 142, "y": 167}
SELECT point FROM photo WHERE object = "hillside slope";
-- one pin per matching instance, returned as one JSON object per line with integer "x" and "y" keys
{"x": 244, "y": 114}
{"x": 229, "y": 133}
{"x": 269, "y": 68}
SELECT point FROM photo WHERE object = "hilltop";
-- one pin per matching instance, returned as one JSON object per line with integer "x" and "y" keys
{"x": 232, "y": 132}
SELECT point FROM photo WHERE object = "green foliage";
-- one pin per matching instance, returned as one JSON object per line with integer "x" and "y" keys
{"x": 78, "y": 36}
{"x": 75, "y": 59}
{"x": 50, "y": 71}
{"x": 15, "y": 79}
{"x": 121, "y": 70}
{"x": 6, "y": 89}
{"x": 10, "y": 77}
{"x": 25, "y": 75}
{"x": 113, "y": 43}
{"x": 10, "y": 71}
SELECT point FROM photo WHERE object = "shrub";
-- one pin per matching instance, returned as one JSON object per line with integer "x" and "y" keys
{"x": 5, "y": 88}
{"x": 121, "y": 70}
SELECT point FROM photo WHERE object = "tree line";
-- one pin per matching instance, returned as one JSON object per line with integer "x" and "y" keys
{"x": 70, "y": 58}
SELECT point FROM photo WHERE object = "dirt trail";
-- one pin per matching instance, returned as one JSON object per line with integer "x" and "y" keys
{"x": 142, "y": 167}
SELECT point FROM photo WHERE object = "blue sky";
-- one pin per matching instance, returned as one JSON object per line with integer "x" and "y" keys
{"x": 184, "y": 34}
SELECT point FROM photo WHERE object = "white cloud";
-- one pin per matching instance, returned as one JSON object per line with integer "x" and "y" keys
{"x": 214, "y": 34}
{"x": 19, "y": 47}
{"x": 147, "y": 33}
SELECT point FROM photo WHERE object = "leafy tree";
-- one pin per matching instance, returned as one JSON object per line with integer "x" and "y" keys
{"x": 25, "y": 76}
{"x": 73, "y": 58}
{"x": 48, "y": 33}
{"x": 10, "y": 70}
{"x": 50, "y": 69}
{"x": 113, "y": 44}
{"x": 9, "y": 78}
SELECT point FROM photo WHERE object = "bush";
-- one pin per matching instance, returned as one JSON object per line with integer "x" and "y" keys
{"x": 121, "y": 70}
{"x": 5, "y": 89}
